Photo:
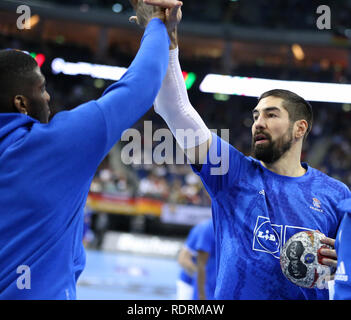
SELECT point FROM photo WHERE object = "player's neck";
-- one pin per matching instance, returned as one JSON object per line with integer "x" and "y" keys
{"x": 288, "y": 164}
{"x": 283, "y": 170}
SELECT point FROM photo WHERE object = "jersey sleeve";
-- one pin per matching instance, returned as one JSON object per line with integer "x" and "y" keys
{"x": 342, "y": 276}
{"x": 344, "y": 204}
{"x": 222, "y": 166}
{"x": 127, "y": 100}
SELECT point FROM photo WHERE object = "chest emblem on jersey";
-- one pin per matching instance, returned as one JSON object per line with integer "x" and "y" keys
{"x": 316, "y": 205}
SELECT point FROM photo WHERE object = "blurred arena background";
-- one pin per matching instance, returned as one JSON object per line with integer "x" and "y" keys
{"x": 137, "y": 216}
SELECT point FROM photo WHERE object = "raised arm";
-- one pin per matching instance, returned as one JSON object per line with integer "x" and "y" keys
{"x": 173, "y": 105}
{"x": 94, "y": 127}
{"x": 124, "y": 102}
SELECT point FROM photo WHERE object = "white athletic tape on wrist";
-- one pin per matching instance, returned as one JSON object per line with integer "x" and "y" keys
{"x": 173, "y": 105}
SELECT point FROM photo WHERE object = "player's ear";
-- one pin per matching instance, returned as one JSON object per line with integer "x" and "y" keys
{"x": 21, "y": 104}
{"x": 301, "y": 127}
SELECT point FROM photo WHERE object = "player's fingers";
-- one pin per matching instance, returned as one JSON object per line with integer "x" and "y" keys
{"x": 328, "y": 241}
{"x": 164, "y": 3}
{"x": 328, "y": 253}
{"x": 329, "y": 262}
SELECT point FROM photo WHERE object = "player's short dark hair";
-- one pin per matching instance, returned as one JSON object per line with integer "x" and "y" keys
{"x": 298, "y": 108}
{"x": 16, "y": 75}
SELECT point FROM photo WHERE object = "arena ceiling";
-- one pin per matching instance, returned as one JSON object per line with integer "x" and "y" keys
{"x": 197, "y": 41}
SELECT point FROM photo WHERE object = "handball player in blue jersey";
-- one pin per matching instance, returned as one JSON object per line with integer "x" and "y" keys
{"x": 187, "y": 260}
{"x": 205, "y": 280}
{"x": 197, "y": 258}
{"x": 258, "y": 202}
{"x": 47, "y": 167}
{"x": 342, "y": 287}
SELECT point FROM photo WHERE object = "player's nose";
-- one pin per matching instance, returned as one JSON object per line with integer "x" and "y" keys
{"x": 47, "y": 96}
{"x": 260, "y": 122}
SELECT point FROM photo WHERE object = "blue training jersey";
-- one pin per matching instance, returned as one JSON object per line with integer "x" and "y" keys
{"x": 46, "y": 172}
{"x": 255, "y": 212}
{"x": 206, "y": 242}
{"x": 343, "y": 248}
{"x": 190, "y": 245}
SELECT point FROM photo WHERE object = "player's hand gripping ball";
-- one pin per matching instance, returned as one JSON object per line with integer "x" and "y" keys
{"x": 300, "y": 259}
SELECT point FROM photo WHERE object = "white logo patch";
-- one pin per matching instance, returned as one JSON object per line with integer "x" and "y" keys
{"x": 340, "y": 274}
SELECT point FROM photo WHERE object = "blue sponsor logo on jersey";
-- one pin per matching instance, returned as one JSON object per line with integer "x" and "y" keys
{"x": 309, "y": 258}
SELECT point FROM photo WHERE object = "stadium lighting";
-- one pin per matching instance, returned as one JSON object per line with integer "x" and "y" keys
{"x": 96, "y": 71}
{"x": 32, "y": 22}
{"x": 221, "y": 97}
{"x": 189, "y": 78}
{"x": 39, "y": 58}
{"x": 117, "y": 8}
{"x": 254, "y": 87}
{"x": 298, "y": 52}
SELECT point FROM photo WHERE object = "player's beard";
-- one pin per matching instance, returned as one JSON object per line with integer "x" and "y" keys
{"x": 272, "y": 151}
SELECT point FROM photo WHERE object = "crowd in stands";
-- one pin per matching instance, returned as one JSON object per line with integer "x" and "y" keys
{"x": 178, "y": 186}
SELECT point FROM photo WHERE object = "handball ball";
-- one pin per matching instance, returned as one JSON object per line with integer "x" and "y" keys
{"x": 300, "y": 260}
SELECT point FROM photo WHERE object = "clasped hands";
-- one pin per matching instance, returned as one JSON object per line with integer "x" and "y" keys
{"x": 169, "y": 11}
